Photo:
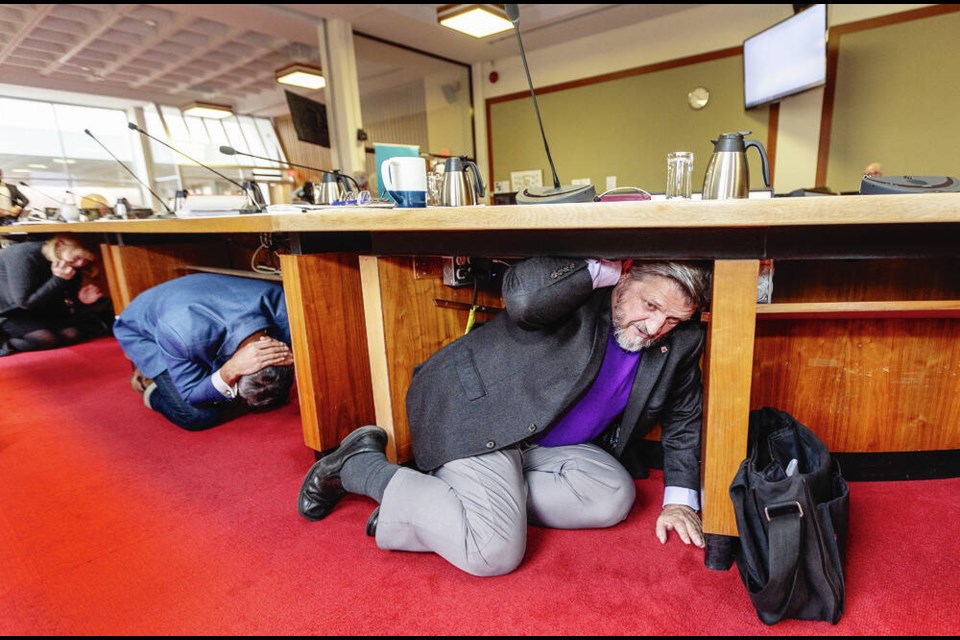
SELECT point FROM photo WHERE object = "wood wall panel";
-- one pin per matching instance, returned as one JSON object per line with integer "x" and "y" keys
{"x": 864, "y": 385}
{"x": 415, "y": 327}
{"x": 866, "y": 280}
{"x": 324, "y": 301}
{"x": 134, "y": 269}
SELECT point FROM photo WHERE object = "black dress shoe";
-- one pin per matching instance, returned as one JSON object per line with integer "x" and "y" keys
{"x": 372, "y": 522}
{"x": 321, "y": 489}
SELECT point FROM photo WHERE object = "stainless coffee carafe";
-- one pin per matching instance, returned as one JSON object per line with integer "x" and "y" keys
{"x": 330, "y": 190}
{"x": 458, "y": 188}
{"x": 728, "y": 175}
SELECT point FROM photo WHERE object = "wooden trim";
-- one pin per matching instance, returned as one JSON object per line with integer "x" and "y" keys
{"x": 859, "y": 310}
{"x": 854, "y": 310}
{"x": 728, "y": 374}
{"x": 773, "y": 128}
{"x": 618, "y": 75}
{"x": 241, "y": 273}
{"x": 113, "y": 283}
{"x": 931, "y": 11}
{"x": 826, "y": 110}
{"x": 377, "y": 349}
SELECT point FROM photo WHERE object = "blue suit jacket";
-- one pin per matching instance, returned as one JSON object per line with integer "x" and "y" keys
{"x": 192, "y": 325}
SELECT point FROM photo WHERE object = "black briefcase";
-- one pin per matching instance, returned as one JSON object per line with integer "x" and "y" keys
{"x": 792, "y": 511}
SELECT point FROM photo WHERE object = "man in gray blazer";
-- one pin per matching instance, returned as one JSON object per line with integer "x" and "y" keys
{"x": 522, "y": 420}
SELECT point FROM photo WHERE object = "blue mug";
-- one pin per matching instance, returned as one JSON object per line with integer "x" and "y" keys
{"x": 405, "y": 181}
{"x": 409, "y": 199}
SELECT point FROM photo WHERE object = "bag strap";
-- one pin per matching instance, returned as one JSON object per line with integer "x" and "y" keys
{"x": 784, "y": 533}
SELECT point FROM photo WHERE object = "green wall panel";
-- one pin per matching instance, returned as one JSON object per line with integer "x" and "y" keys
{"x": 897, "y": 96}
{"x": 626, "y": 127}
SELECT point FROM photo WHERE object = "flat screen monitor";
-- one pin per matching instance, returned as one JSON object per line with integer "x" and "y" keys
{"x": 309, "y": 119}
{"x": 786, "y": 59}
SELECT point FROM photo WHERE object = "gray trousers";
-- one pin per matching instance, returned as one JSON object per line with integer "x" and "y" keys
{"x": 474, "y": 512}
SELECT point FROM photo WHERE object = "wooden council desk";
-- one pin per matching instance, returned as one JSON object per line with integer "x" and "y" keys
{"x": 361, "y": 316}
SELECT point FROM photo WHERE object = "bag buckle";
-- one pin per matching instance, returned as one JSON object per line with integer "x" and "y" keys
{"x": 787, "y": 508}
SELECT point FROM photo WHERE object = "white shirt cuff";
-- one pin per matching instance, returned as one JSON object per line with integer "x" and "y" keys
{"x": 681, "y": 495}
{"x": 605, "y": 273}
{"x": 223, "y": 387}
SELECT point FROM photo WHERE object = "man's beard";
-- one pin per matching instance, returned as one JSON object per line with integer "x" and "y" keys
{"x": 631, "y": 343}
{"x": 623, "y": 334}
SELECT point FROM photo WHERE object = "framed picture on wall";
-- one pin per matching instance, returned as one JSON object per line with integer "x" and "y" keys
{"x": 519, "y": 180}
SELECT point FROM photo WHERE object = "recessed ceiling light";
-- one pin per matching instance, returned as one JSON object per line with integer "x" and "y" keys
{"x": 301, "y": 74}
{"x": 477, "y": 20}
{"x": 207, "y": 110}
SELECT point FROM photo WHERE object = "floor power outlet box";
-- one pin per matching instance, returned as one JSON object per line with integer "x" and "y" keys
{"x": 457, "y": 271}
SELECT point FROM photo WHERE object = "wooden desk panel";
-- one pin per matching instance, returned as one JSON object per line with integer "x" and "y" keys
{"x": 131, "y": 270}
{"x": 405, "y": 327}
{"x": 330, "y": 348}
{"x": 734, "y": 233}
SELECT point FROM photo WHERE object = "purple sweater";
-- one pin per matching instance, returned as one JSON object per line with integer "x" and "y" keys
{"x": 604, "y": 401}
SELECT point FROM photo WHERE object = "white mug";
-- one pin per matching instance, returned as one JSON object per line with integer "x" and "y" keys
{"x": 405, "y": 180}
{"x": 69, "y": 212}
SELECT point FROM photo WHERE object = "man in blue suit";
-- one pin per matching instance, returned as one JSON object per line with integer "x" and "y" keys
{"x": 208, "y": 347}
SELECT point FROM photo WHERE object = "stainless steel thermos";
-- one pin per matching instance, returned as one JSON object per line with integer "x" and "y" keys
{"x": 728, "y": 175}
{"x": 458, "y": 187}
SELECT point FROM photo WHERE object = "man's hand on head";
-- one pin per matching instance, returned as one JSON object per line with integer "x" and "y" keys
{"x": 89, "y": 293}
{"x": 254, "y": 356}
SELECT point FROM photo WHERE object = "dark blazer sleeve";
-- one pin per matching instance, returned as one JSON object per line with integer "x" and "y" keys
{"x": 682, "y": 421}
{"x": 538, "y": 292}
{"x": 31, "y": 284}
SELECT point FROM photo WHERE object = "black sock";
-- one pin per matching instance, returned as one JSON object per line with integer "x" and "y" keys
{"x": 368, "y": 474}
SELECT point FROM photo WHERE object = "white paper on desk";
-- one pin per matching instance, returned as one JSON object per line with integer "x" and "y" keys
{"x": 294, "y": 208}
{"x": 199, "y": 206}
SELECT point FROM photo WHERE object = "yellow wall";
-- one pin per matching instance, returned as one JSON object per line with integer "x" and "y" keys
{"x": 897, "y": 101}
{"x": 894, "y": 102}
{"x": 625, "y": 127}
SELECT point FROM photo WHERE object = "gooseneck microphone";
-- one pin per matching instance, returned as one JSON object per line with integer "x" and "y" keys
{"x": 556, "y": 193}
{"x": 335, "y": 172}
{"x": 250, "y": 188}
{"x": 135, "y": 176}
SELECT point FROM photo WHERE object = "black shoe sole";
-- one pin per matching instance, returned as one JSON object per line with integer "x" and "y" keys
{"x": 371, "y": 528}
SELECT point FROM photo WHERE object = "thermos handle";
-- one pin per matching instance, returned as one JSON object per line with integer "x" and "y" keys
{"x": 763, "y": 159}
{"x": 472, "y": 166}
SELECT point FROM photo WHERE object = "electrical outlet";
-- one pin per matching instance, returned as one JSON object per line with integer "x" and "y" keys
{"x": 457, "y": 271}
{"x": 611, "y": 182}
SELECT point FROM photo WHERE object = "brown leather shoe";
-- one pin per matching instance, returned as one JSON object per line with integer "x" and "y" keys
{"x": 321, "y": 489}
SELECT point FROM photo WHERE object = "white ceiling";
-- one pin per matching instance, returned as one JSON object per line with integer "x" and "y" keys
{"x": 227, "y": 53}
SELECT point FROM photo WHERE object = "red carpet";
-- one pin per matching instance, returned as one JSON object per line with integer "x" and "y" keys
{"x": 114, "y": 522}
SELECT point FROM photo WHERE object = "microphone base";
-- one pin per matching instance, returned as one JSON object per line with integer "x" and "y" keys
{"x": 557, "y": 195}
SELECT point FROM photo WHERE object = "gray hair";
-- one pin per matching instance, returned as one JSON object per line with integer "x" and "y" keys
{"x": 694, "y": 279}
{"x": 267, "y": 388}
